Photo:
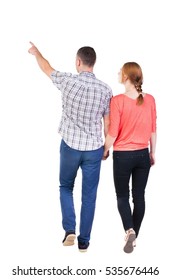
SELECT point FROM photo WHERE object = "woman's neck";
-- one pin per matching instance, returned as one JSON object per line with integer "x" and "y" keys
{"x": 130, "y": 90}
{"x": 129, "y": 87}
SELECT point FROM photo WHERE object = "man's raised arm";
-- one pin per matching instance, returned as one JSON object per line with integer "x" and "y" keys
{"x": 42, "y": 62}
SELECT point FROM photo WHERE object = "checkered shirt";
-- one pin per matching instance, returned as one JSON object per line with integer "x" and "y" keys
{"x": 85, "y": 100}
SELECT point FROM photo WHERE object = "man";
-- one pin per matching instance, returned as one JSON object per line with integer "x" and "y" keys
{"x": 85, "y": 103}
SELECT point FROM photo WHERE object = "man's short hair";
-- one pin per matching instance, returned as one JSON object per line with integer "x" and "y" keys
{"x": 87, "y": 55}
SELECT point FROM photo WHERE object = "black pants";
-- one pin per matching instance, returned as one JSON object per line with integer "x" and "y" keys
{"x": 131, "y": 166}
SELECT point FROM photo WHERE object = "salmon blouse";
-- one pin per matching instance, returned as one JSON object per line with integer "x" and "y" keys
{"x": 132, "y": 124}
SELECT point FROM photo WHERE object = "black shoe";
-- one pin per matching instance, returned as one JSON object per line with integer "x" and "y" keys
{"x": 83, "y": 246}
{"x": 69, "y": 238}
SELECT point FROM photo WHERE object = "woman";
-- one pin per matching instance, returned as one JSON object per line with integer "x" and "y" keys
{"x": 132, "y": 133}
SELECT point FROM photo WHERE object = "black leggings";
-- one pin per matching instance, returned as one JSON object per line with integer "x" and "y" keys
{"x": 131, "y": 166}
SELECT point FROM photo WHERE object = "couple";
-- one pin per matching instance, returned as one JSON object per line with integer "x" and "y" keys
{"x": 129, "y": 122}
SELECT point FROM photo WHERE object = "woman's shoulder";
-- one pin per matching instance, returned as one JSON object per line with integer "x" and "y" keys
{"x": 119, "y": 96}
{"x": 149, "y": 96}
{"x": 117, "y": 100}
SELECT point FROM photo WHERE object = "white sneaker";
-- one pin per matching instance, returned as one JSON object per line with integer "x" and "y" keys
{"x": 130, "y": 241}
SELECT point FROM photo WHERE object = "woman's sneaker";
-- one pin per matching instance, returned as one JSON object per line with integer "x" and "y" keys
{"x": 130, "y": 241}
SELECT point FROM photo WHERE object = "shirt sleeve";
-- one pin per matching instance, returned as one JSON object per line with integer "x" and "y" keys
{"x": 154, "y": 117}
{"x": 108, "y": 99}
{"x": 58, "y": 78}
{"x": 114, "y": 118}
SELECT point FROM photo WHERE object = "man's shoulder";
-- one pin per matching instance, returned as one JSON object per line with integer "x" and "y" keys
{"x": 57, "y": 73}
{"x": 103, "y": 84}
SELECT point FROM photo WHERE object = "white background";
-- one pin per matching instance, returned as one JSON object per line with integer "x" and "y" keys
{"x": 30, "y": 108}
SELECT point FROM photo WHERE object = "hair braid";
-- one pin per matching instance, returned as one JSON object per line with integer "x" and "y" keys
{"x": 134, "y": 73}
{"x": 140, "y": 98}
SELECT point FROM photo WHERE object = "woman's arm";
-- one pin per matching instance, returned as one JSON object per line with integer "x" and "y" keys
{"x": 108, "y": 143}
{"x": 153, "y": 140}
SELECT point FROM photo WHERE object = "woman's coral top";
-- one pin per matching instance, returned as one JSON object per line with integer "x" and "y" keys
{"x": 132, "y": 124}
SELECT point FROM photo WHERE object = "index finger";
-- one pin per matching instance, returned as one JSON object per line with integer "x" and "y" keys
{"x": 31, "y": 43}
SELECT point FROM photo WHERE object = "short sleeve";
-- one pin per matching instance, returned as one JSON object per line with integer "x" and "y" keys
{"x": 58, "y": 78}
{"x": 108, "y": 99}
{"x": 114, "y": 117}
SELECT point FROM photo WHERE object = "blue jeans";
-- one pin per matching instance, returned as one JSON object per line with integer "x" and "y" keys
{"x": 134, "y": 165}
{"x": 90, "y": 163}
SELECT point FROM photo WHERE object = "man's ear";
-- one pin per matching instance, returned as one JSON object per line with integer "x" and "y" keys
{"x": 78, "y": 62}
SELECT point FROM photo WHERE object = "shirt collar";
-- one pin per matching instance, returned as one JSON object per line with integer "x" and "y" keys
{"x": 86, "y": 73}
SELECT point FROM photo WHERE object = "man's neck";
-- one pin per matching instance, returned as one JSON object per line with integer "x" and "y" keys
{"x": 86, "y": 69}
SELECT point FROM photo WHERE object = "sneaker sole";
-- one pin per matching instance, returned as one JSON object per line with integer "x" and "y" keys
{"x": 83, "y": 250}
{"x": 69, "y": 241}
{"x": 129, "y": 247}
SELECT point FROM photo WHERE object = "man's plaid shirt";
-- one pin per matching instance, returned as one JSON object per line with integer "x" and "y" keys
{"x": 85, "y": 100}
